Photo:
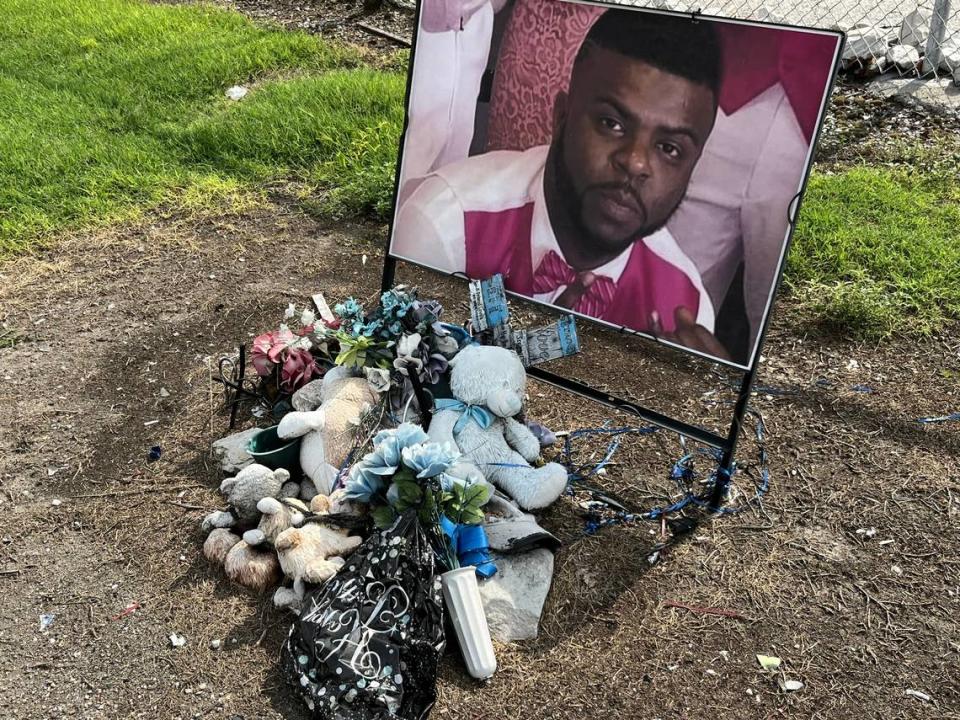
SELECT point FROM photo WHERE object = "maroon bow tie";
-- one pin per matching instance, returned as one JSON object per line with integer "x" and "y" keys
{"x": 594, "y": 297}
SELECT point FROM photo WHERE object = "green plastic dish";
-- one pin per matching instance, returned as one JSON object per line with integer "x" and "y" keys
{"x": 274, "y": 452}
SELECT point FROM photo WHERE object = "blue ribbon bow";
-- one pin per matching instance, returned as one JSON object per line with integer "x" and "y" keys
{"x": 471, "y": 545}
{"x": 479, "y": 414}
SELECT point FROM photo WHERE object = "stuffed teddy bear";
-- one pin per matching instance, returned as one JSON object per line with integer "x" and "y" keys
{"x": 246, "y": 565}
{"x": 488, "y": 385}
{"x": 249, "y": 487}
{"x": 252, "y": 567}
{"x": 328, "y": 431}
{"x": 335, "y": 504}
{"x": 276, "y": 516}
{"x": 218, "y": 543}
{"x": 311, "y": 554}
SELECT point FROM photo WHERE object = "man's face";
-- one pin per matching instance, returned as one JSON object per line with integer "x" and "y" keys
{"x": 627, "y": 138}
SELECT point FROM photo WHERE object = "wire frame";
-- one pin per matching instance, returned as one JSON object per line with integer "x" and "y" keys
{"x": 237, "y": 388}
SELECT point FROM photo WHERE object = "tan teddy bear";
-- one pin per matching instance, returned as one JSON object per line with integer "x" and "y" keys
{"x": 310, "y": 554}
{"x": 328, "y": 431}
{"x": 252, "y": 567}
{"x": 276, "y": 516}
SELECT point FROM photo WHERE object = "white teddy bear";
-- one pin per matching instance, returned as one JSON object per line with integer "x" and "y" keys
{"x": 488, "y": 384}
{"x": 328, "y": 431}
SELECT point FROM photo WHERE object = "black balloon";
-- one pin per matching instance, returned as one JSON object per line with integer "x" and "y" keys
{"x": 367, "y": 642}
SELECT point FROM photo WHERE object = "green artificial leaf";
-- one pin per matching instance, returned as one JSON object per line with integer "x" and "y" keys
{"x": 405, "y": 474}
{"x": 476, "y": 495}
{"x": 383, "y": 516}
{"x": 471, "y": 516}
{"x": 410, "y": 493}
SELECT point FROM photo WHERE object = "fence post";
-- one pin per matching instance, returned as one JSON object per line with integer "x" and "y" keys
{"x": 938, "y": 31}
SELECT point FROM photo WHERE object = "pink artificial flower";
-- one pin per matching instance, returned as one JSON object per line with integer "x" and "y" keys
{"x": 298, "y": 369}
{"x": 261, "y": 347}
{"x": 269, "y": 350}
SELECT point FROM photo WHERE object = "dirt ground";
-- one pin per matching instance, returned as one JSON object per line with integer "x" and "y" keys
{"x": 850, "y": 570}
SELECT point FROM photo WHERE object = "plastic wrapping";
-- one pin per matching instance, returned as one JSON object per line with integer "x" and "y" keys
{"x": 367, "y": 643}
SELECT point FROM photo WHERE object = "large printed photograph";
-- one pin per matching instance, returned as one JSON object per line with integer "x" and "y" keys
{"x": 634, "y": 167}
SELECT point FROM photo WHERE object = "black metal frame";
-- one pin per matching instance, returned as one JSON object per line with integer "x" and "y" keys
{"x": 727, "y": 445}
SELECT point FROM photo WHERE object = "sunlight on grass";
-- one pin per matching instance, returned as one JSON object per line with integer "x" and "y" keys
{"x": 100, "y": 101}
{"x": 877, "y": 251}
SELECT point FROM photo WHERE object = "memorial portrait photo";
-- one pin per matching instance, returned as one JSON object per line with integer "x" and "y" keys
{"x": 634, "y": 167}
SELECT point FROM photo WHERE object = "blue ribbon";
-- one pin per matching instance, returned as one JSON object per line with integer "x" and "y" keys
{"x": 471, "y": 545}
{"x": 479, "y": 414}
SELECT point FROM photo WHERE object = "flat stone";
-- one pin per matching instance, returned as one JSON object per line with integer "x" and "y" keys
{"x": 915, "y": 29}
{"x": 513, "y": 598}
{"x": 905, "y": 57}
{"x": 231, "y": 451}
{"x": 309, "y": 397}
{"x": 950, "y": 53}
{"x": 865, "y": 44}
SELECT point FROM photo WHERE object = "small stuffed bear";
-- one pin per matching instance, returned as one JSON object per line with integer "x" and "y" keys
{"x": 328, "y": 432}
{"x": 335, "y": 504}
{"x": 488, "y": 384}
{"x": 311, "y": 554}
{"x": 252, "y": 567}
{"x": 277, "y": 516}
{"x": 249, "y": 487}
{"x": 246, "y": 565}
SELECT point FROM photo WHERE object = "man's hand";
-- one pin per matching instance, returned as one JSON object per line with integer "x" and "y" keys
{"x": 688, "y": 333}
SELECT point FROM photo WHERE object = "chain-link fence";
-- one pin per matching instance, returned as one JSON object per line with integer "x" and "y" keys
{"x": 908, "y": 37}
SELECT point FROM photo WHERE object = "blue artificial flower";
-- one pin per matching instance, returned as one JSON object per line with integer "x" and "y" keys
{"x": 429, "y": 459}
{"x": 363, "y": 483}
{"x": 393, "y": 495}
{"x": 389, "y": 443}
{"x": 349, "y": 310}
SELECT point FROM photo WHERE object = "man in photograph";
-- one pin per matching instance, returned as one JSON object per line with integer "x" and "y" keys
{"x": 580, "y": 223}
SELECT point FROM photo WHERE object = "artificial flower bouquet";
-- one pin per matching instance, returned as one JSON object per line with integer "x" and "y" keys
{"x": 283, "y": 357}
{"x": 400, "y": 336}
{"x": 402, "y": 333}
{"x": 405, "y": 471}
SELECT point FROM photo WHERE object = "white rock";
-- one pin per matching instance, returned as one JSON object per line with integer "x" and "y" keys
{"x": 237, "y": 92}
{"x": 231, "y": 451}
{"x": 215, "y": 644}
{"x": 915, "y": 29}
{"x": 950, "y": 58}
{"x": 865, "y": 44}
{"x": 513, "y": 598}
{"x": 309, "y": 397}
{"x": 177, "y": 640}
{"x": 905, "y": 57}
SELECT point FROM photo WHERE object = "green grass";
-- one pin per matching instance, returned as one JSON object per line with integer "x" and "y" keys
{"x": 111, "y": 107}
{"x": 877, "y": 251}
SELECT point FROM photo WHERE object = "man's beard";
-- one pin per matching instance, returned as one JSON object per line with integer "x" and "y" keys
{"x": 573, "y": 202}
